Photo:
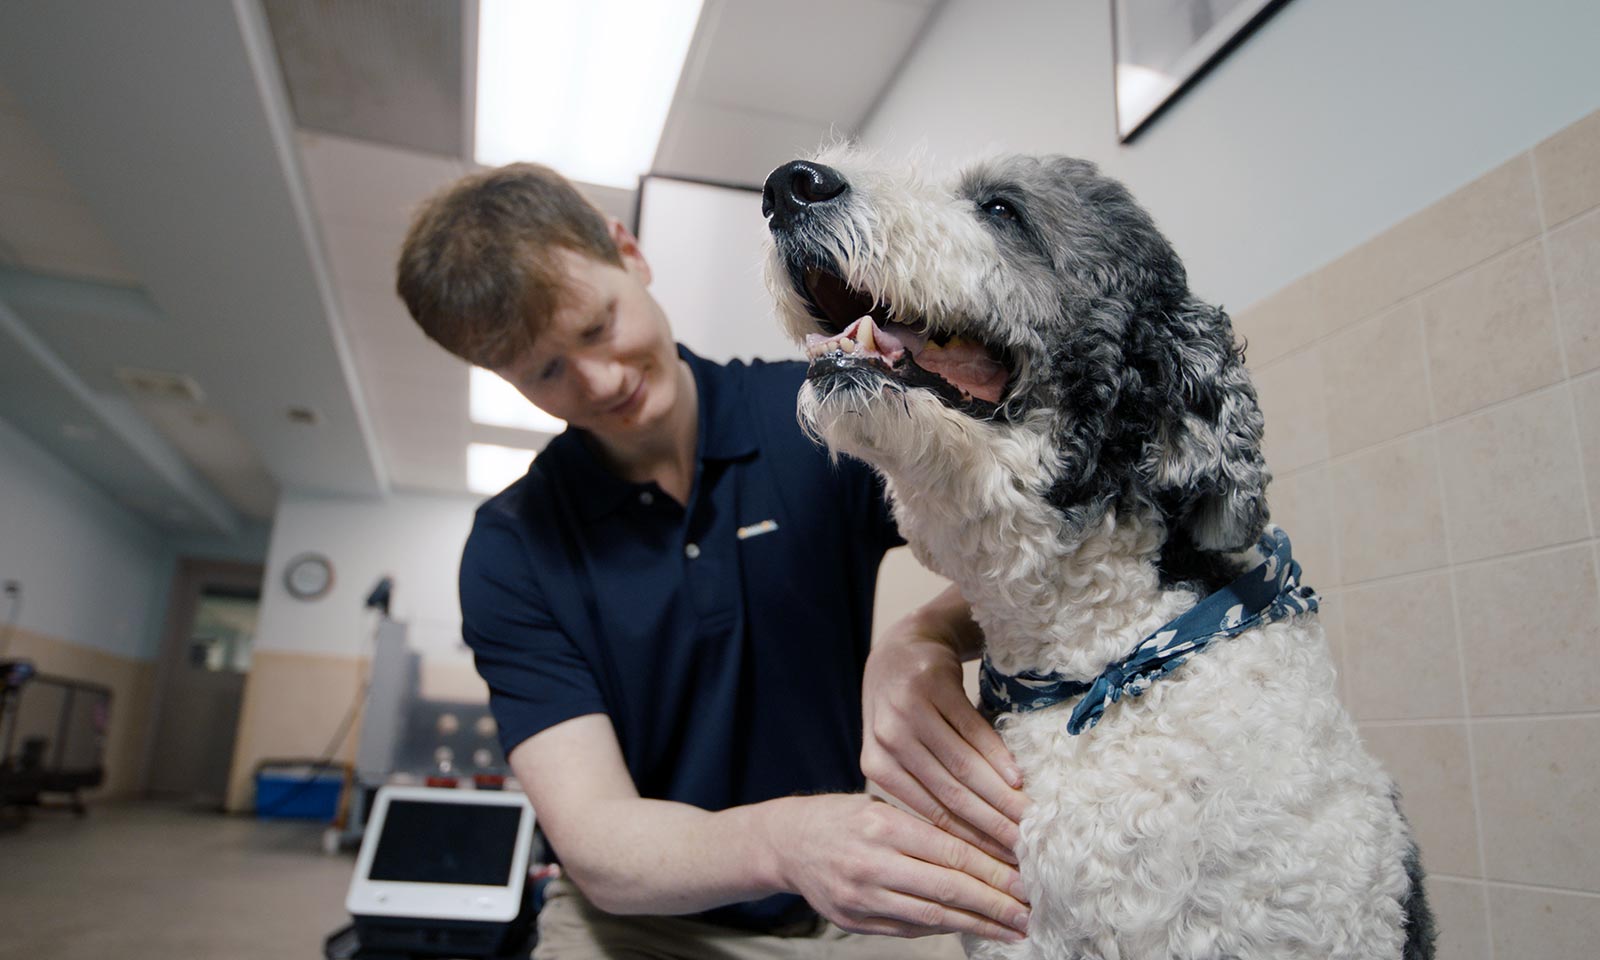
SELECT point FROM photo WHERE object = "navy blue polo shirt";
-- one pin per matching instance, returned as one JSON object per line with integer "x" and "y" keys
{"x": 725, "y": 638}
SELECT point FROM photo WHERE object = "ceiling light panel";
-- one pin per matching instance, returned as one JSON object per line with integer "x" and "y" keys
{"x": 496, "y": 403}
{"x": 580, "y": 85}
{"x": 491, "y": 468}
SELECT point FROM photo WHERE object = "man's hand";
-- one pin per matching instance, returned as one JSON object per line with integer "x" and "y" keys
{"x": 925, "y": 744}
{"x": 872, "y": 868}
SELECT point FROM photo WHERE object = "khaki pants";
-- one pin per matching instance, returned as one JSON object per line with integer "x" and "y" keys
{"x": 571, "y": 928}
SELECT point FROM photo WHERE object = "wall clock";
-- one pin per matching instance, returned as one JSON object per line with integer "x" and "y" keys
{"x": 308, "y": 576}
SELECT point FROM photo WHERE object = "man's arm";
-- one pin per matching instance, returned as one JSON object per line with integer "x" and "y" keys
{"x": 925, "y": 744}
{"x": 861, "y": 863}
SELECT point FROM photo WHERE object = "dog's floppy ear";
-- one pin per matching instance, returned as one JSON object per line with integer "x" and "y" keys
{"x": 1089, "y": 367}
{"x": 1202, "y": 461}
{"x": 1157, "y": 403}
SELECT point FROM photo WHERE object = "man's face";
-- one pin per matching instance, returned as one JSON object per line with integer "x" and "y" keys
{"x": 605, "y": 362}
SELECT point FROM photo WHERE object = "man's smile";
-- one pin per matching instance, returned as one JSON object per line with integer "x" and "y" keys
{"x": 630, "y": 402}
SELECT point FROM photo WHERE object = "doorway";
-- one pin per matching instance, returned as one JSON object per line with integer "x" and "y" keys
{"x": 206, "y": 653}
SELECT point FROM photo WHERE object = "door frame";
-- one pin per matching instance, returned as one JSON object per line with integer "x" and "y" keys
{"x": 189, "y": 580}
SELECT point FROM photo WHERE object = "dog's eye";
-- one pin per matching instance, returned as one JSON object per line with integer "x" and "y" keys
{"x": 1000, "y": 209}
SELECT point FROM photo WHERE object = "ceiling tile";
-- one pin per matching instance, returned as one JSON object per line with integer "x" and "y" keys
{"x": 825, "y": 60}
{"x": 734, "y": 146}
{"x": 384, "y": 70}
{"x": 357, "y": 180}
{"x": 379, "y": 321}
{"x": 364, "y": 254}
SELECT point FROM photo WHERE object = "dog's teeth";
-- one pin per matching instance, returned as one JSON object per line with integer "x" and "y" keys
{"x": 818, "y": 346}
{"x": 864, "y": 334}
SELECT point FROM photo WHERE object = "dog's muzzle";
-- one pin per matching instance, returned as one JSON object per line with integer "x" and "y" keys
{"x": 862, "y": 342}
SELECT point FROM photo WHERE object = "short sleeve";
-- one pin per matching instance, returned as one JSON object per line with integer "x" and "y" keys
{"x": 536, "y": 674}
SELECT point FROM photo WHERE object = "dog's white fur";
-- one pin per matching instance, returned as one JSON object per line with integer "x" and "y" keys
{"x": 1229, "y": 812}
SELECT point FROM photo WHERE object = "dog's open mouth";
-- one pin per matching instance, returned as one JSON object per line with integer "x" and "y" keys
{"x": 863, "y": 331}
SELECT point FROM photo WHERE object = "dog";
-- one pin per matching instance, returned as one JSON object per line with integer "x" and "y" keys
{"x": 1071, "y": 436}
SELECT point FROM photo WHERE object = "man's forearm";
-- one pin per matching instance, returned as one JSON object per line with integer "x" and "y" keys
{"x": 637, "y": 856}
{"x": 865, "y": 865}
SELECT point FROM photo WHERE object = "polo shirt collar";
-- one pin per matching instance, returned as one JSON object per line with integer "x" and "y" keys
{"x": 725, "y": 433}
{"x": 725, "y": 430}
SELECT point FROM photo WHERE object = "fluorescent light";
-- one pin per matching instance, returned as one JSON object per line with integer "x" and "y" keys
{"x": 491, "y": 468}
{"x": 496, "y": 403}
{"x": 580, "y": 85}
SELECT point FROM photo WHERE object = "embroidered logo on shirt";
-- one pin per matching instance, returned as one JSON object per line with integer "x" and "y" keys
{"x": 757, "y": 529}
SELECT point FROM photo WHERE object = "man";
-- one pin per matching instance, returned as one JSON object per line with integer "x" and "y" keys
{"x": 672, "y": 612}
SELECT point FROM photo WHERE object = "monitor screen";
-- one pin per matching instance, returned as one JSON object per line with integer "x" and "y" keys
{"x": 446, "y": 843}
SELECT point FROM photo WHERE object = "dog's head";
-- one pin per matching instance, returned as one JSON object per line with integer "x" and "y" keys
{"x": 1029, "y": 304}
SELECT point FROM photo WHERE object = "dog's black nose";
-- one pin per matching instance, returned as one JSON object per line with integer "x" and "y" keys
{"x": 797, "y": 185}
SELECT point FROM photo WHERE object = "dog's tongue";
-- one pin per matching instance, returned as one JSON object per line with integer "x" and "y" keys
{"x": 967, "y": 366}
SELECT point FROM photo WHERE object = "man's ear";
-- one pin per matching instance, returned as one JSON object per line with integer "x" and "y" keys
{"x": 628, "y": 248}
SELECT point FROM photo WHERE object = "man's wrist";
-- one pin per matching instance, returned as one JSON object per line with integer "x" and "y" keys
{"x": 945, "y": 620}
{"x": 769, "y": 828}
{"x": 918, "y": 629}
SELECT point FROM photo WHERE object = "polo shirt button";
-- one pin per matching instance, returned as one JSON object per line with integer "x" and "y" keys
{"x": 692, "y": 551}
{"x": 647, "y": 498}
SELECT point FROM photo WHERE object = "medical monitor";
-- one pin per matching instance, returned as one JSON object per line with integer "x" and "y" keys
{"x": 443, "y": 854}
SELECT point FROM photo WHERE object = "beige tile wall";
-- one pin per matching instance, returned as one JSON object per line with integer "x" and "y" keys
{"x": 292, "y": 703}
{"x": 1433, "y": 423}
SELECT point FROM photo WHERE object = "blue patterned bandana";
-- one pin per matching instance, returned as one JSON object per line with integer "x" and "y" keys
{"x": 1267, "y": 592}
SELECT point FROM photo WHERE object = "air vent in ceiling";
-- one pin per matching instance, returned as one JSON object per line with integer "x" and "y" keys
{"x": 160, "y": 385}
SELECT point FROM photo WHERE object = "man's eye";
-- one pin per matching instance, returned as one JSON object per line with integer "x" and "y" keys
{"x": 1001, "y": 209}
{"x": 550, "y": 370}
{"x": 595, "y": 333}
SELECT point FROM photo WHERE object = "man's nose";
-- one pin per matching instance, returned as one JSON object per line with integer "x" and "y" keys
{"x": 600, "y": 376}
{"x": 797, "y": 186}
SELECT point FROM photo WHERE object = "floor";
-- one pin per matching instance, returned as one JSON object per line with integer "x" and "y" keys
{"x": 151, "y": 882}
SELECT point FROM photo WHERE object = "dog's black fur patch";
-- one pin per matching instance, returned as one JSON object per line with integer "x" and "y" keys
{"x": 1421, "y": 933}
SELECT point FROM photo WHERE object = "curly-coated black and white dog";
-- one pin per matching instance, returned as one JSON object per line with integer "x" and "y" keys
{"x": 1071, "y": 436}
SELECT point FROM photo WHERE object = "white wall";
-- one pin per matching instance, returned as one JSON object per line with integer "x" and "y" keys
{"x": 92, "y": 573}
{"x": 414, "y": 538}
{"x": 1335, "y": 120}
{"x": 705, "y": 245}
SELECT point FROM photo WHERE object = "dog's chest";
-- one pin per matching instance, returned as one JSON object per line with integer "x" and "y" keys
{"x": 1237, "y": 776}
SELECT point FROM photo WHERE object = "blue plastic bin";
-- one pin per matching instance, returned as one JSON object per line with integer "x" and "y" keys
{"x": 297, "y": 792}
